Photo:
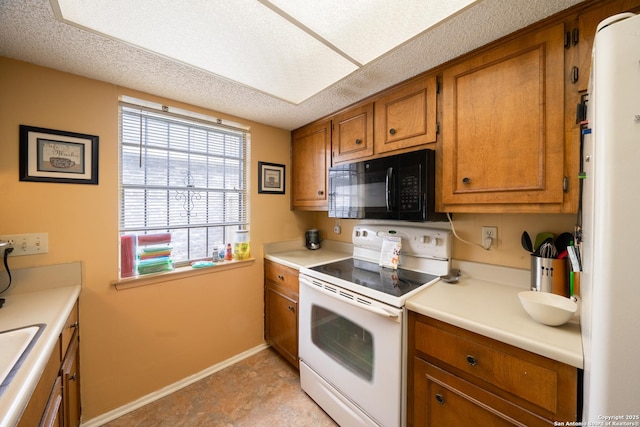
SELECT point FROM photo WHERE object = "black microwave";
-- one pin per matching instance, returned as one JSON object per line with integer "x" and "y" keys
{"x": 395, "y": 187}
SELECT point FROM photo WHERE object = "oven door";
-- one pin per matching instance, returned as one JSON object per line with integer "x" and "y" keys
{"x": 350, "y": 354}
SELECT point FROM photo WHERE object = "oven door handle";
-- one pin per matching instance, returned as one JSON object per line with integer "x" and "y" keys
{"x": 377, "y": 310}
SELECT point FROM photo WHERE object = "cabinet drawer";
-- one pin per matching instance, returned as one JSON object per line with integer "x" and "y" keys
{"x": 443, "y": 399}
{"x": 535, "y": 381}
{"x": 281, "y": 275}
{"x": 68, "y": 331}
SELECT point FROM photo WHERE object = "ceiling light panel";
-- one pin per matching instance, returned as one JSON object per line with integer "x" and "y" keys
{"x": 241, "y": 40}
{"x": 367, "y": 29}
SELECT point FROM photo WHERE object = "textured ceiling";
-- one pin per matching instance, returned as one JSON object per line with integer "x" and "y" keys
{"x": 29, "y": 32}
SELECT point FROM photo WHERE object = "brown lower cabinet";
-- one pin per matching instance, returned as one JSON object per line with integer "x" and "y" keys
{"x": 459, "y": 378}
{"x": 281, "y": 309}
{"x": 56, "y": 398}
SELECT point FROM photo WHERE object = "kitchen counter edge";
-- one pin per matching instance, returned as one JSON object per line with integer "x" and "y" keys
{"x": 493, "y": 310}
{"x": 484, "y": 301}
{"x": 51, "y": 307}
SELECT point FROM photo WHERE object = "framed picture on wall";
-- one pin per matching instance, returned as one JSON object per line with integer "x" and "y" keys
{"x": 270, "y": 178}
{"x": 49, "y": 155}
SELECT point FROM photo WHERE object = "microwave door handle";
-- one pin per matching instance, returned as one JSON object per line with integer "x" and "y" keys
{"x": 387, "y": 188}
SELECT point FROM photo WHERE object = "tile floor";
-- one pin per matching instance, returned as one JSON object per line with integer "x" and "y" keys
{"x": 262, "y": 390}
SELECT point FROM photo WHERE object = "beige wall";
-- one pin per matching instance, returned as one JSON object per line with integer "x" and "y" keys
{"x": 136, "y": 341}
{"x": 507, "y": 252}
{"x": 139, "y": 340}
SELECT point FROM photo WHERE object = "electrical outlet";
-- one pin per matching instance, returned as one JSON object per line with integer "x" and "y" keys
{"x": 490, "y": 233}
{"x": 27, "y": 244}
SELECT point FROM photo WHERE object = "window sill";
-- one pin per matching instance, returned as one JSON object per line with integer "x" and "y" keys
{"x": 177, "y": 274}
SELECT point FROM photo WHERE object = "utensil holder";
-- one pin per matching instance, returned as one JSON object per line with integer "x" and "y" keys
{"x": 549, "y": 275}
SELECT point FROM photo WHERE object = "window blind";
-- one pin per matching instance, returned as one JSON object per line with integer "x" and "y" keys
{"x": 185, "y": 176}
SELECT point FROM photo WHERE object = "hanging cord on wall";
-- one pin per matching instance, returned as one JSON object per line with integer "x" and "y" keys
{"x": 7, "y": 251}
{"x": 581, "y": 120}
{"x": 453, "y": 230}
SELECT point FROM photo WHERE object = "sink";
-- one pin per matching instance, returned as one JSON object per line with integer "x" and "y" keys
{"x": 16, "y": 345}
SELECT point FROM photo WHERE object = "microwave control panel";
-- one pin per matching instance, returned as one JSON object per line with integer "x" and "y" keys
{"x": 410, "y": 189}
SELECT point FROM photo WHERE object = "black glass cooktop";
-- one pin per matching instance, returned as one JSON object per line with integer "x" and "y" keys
{"x": 370, "y": 275}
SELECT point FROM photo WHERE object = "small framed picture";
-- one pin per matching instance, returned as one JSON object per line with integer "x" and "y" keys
{"x": 270, "y": 178}
{"x": 49, "y": 155}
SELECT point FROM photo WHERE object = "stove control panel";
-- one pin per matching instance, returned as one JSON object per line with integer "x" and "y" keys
{"x": 419, "y": 242}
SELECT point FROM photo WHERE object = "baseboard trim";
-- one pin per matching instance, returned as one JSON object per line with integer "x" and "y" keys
{"x": 165, "y": 391}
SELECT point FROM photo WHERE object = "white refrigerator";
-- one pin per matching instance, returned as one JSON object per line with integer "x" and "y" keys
{"x": 610, "y": 285}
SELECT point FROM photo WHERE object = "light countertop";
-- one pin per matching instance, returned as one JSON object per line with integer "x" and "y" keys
{"x": 484, "y": 301}
{"x": 494, "y": 310}
{"x": 27, "y": 303}
{"x": 295, "y": 255}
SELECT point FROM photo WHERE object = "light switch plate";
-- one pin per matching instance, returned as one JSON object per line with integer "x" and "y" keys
{"x": 27, "y": 244}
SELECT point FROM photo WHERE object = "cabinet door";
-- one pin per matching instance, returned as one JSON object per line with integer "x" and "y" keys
{"x": 71, "y": 385}
{"x": 442, "y": 399}
{"x": 53, "y": 415}
{"x": 352, "y": 134}
{"x": 310, "y": 159}
{"x": 69, "y": 331}
{"x": 503, "y": 125}
{"x": 40, "y": 399}
{"x": 281, "y": 319}
{"x": 587, "y": 23}
{"x": 406, "y": 117}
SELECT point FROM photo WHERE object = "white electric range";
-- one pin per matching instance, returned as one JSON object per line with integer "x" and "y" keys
{"x": 352, "y": 323}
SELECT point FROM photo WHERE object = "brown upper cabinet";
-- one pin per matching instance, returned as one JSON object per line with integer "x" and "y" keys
{"x": 503, "y": 126}
{"x": 586, "y": 30}
{"x": 352, "y": 136}
{"x": 310, "y": 161}
{"x": 406, "y": 117}
{"x": 508, "y": 139}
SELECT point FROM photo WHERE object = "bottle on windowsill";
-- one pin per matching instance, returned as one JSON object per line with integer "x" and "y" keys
{"x": 228, "y": 255}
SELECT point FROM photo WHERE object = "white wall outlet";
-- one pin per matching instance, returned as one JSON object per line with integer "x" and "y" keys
{"x": 489, "y": 236}
{"x": 27, "y": 244}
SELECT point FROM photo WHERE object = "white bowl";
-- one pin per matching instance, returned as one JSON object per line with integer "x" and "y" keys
{"x": 546, "y": 308}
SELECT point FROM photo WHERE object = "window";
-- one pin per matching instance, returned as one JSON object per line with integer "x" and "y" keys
{"x": 185, "y": 174}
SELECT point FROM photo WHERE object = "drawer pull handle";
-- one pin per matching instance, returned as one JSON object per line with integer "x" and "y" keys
{"x": 466, "y": 180}
{"x": 291, "y": 308}
{"x": 72, "y": 377}
{"x": 280, "y": 276}
{"x": 74, "y": 326}
{"x": 358, "y": 141}
{"x": 471, "y": 360}
{"x": 392, "y": 131}
{"x": 439, "y": 399}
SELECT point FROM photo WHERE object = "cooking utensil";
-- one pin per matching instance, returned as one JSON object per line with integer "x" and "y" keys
{"x": 548, "y": 250}
{"x": 538, "y": 250}
{"x": 562, "y": 241}
{"x": 541, "y": 238}
{"x": 526, "y": 242}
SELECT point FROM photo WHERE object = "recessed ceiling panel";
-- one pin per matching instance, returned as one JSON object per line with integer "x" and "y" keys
{"x": 241, "y": 40}
{"x": 367, "y": 29}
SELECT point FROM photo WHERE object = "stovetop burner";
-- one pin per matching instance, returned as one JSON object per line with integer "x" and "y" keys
{"x": 371, "y": 276}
